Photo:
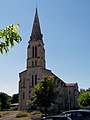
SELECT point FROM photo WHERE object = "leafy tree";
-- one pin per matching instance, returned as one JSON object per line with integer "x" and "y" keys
{"x": 44, "y": 93}
{"x": 0, "y": 104}
{"x": 4, "y": 101}
{"x": 14, "y": 98}
{"x": 88, "y": 89}
{"x": 82, "y": 90}
{"x": 84, "y": 99}
{"x": 8, "y": 36}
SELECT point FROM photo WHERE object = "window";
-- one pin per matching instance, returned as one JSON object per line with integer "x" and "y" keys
{"x": 35, "y": 51}
{"x": 32, "y": 51}
{"x": 32, "y": 63}
{"x": 24, "y": 83}
{"x": 35, "y": 62}
{"x": 35, "y": 79}
{"x": 85, "y": 114}
{"x": 79, "y": 114}
{"x": 23, "y": 95}
{"x": 32, "y": 80}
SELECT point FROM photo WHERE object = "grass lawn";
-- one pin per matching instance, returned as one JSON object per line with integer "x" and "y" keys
{"x": 4, "y": 113}
{"x": 21, "y": 115}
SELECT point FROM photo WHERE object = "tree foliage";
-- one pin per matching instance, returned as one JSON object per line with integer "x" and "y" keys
{"x": 84, "y": 99}
{"x": 14, "y": 98}
{"x": 83, "y": 90}
{"x": 4, "y": 101}
{"x": 8, "y": 36}
{"x": 44, "y": 93}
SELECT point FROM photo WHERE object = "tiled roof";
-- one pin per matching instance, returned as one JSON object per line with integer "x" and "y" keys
{"x": 70, "y": 84}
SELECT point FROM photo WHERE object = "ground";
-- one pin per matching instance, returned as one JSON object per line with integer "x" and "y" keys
{"x": 11, "y": 115}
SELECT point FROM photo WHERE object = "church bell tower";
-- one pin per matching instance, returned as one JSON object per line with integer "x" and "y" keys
{"x": 35, "y": 56}
{"x": 36, "y": 51}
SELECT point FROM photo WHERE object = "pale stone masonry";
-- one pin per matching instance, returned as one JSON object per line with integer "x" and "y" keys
{"x": 36, "y": 70}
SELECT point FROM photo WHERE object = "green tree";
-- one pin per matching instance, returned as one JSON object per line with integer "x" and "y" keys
{"x": 84, "y": 99}
{"x": 8, "y": 36}
{"x": 88, "y": 89}
{"x": 5, "y": 100}
{"x": 14, "y": 98}
{"x": 82, "y": 90}
{"x": 0, "y": 104}
{"x": 44, "y": 93}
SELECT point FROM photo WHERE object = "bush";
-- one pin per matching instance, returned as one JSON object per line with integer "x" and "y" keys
{"x": 22, "y": 114}
{"x": 36, "y": 113}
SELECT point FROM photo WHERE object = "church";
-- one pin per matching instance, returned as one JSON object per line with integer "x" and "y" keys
{"x": 36, "y": 70}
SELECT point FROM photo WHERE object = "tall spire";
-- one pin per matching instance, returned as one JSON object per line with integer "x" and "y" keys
{"x": 36, "y": 31}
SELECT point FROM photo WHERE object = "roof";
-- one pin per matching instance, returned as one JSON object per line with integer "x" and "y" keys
{"x": 80, "y": 110}
{"x": 14, "y": 104}
{"x": 70, "y": 84}
{"x": 36, "y": 31}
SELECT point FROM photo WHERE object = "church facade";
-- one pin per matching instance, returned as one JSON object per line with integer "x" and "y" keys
{"x": 36, "y": 70}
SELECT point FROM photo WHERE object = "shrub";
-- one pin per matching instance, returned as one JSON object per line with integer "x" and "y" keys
{"x": 37, "y": 113}
{"x": 22, "y": 114}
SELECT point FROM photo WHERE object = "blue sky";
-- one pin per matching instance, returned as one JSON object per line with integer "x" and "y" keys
{"x": 65, "y": 25}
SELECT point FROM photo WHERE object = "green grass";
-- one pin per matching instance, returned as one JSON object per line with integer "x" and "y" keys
{"x": 21, "y": 115}
{"x": 4, "y": 113}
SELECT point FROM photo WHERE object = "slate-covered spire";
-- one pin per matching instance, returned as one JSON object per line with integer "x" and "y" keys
{"x": 36, "y": 31}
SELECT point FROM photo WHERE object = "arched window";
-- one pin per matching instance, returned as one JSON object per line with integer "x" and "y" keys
{"x": 35, "y": 51}
{"x": 35, "y": 79}
{"x": 32, "y": 80}
{"x": 32, "y": 51}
